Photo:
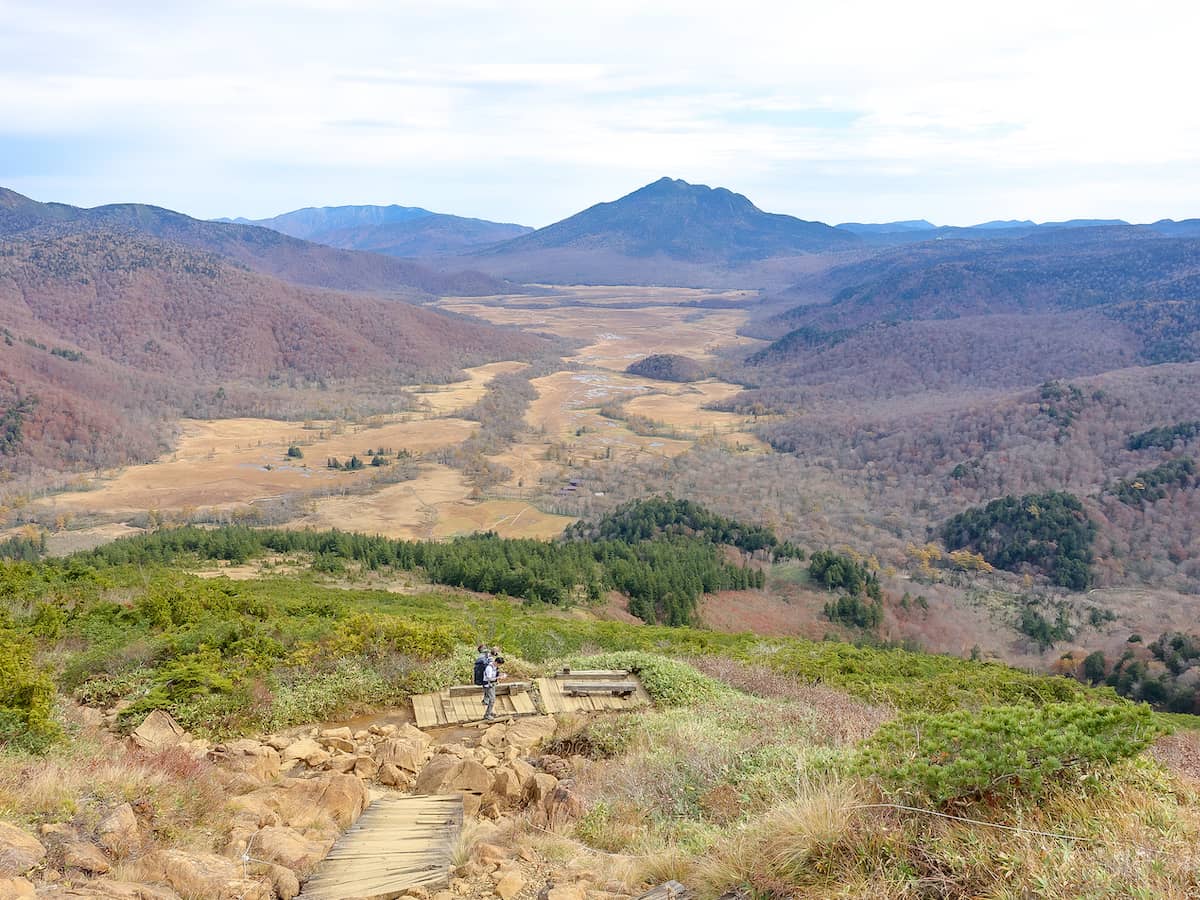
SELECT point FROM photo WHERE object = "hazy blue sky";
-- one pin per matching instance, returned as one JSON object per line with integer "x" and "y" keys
{"x": 528, "y": 111}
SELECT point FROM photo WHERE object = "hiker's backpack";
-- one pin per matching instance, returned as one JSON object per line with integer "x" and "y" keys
{"x": 480, "y": 668}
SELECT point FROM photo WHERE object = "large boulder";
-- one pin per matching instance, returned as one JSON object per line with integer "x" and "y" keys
{"x": 539, "y": 788}
{"x": 506, "y": 785}
{"x": 85, "y": 856}
{"x": 338, "y": 739}
{"x": 16, "y": 889}
{"x": 522, "y": 734}
{"x": 198, "y": 875}
{"x": 305, "y": 750}
{"x": 158, "y": 731}
{"x": 288, "y": 848}
{"x": 304, "y": 803}
{"x": 446, "y": 773}
{"x": 118, "y": 832}
{"x": 285, "y": 882}
{"x": 260, "y": 761}
{"x": 564, "y": 803}
{"x": 403, "y": 752}
{"x": 20, "y": 851}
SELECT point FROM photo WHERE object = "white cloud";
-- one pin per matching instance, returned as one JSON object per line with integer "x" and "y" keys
{"x": 998, "y": 101}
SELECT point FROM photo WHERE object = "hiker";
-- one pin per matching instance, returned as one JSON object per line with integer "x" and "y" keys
{"x": 491, "y": 674}
{"x": 481, "y": 662}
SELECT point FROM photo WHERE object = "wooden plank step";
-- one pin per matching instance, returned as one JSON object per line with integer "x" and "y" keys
{"x": 609, "y": 674}
{"x": 621, "y": 688}
{"x": 502, "y": 688}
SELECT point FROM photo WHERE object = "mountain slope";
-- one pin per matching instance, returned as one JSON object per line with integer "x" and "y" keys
{"x": 116, "y": 335}
{"x": 260, "y": 249}
{"x": 682, "y": 221}
{"x": 956, "y": 315}
{"x": 404, "y": 231}
{"x": 312, "y": 221}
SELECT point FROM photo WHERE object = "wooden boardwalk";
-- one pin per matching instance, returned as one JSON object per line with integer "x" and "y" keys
{"x": 460, "y": 704}
{"x": 397, "y": 843}
{"x": 584, "y": 691}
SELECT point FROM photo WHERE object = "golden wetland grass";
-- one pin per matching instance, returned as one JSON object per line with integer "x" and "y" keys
{"x": 227, "y": 464}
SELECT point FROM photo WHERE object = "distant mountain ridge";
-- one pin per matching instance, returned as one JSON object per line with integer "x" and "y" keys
{"x": 402, "y": 231}
{"x": 260, "y": 249}
{"x": 678, "y": 220}
{"x": 310, "y": 221}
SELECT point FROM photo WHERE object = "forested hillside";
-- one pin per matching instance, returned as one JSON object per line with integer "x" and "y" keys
{"x": 662, "y": 555}
{"x": 260, "y": 249}
{"x": 109, "y": 336}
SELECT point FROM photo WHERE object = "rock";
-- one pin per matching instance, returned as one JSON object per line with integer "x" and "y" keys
{"x": 190, "y": 874}
{"x": 401, "y": 752}
{"x": 287, "y": 847}
{"x": 506, "y": 785}
{"x": 524, "y": 770}
{"x": 158, "y": 731}
{"x": 566, "y": 892}
{"x": 509, "y": 886}
{"x": 260, "y": 761}
{"x": 343, "y": 763}
{"x": 471, "y": 776}
{"x": 20, "y": 851}
{"x": 285, "y": 882}
{"x": 363, "y": 735}
{"x": 85, "y": 856}
{"x": 236, "y": 783}
{"x": 305, "y": 750}
{"x": 338, "y": 739}
{"x": 278, "y": 742}
{"x": 444, "y": 895}
{"x": 417, "y": 893}
{"x": 243, "y": 889}
{"x": 392, "y": 776}
{"x": 472, "y": 801}
{"x": 434, "y": 774}
{"x": 538, "y": 788}
{"x": 490, "y": 854}
{"x": 365, "y": 767}
{"x": 58, "y": 831}
{"x": 16, "y": 888}
{"x": 564, "y": 803}
{"x": 304, "y": 803}
{"x": 528, "y": 732}
{"x": 118, "y": 831}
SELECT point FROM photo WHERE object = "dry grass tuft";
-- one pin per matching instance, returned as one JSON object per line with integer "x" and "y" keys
{"x": 179, "y": 796}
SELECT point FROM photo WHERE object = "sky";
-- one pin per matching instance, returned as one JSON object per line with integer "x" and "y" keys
{"x": 530, "y": 111}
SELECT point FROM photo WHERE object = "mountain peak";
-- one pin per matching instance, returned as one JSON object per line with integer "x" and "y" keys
{"x": 689, "y": 222}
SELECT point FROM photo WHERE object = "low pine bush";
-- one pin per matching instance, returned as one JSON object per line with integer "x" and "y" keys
{"x": 26, "y": 697}
{"x": 667, "y": 681}
{"x": 1001, "y": 753}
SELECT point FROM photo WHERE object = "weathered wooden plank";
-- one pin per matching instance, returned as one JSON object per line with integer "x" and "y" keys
{"x": 623, "y": 688}
{"x": 423, "y": 711}
{"x": 576, "y": 674}
{"x": 397, "y": 843}
{"x": 502, "y": 688}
